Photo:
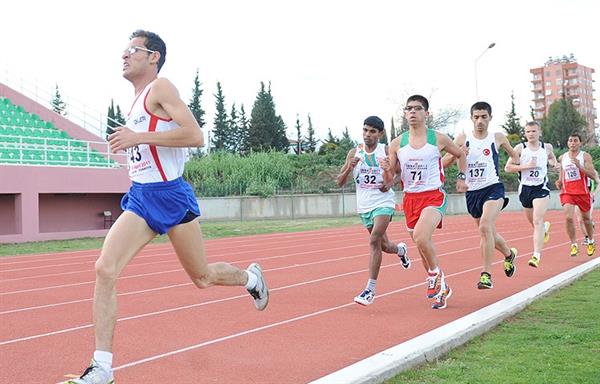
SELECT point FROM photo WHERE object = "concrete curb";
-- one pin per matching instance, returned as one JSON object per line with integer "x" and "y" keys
{"x": 433, "y": 344}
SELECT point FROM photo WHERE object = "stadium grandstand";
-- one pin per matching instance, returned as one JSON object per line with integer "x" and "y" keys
{"x": 58, "y": 179}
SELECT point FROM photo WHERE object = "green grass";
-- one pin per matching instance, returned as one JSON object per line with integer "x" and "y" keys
{"x": 555, "y": 340}
{"x": 211, "y": 230}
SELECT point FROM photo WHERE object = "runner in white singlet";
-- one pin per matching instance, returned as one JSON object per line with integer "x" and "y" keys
{"x": 534, "y": 158}
{"x": 159, "y": 129}
{"x": 375, "y": 201}
{"x": 485, "y": 197}
{"x": 416, "y": 154}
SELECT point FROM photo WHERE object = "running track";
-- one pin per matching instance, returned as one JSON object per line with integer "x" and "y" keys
{"x": 170, "y": 332}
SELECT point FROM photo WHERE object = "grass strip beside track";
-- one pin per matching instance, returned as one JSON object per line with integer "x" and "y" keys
{"x": 555, "y": 340}
{"x": 211, "y": 230}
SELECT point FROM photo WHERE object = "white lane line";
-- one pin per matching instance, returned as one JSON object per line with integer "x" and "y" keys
{"x": 12, "y": 341}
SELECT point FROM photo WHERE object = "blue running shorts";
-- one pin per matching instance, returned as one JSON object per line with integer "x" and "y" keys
{"x": 163, "y": 204}
{"x": 529, "y": 193}
{"x": 476, "y": 199}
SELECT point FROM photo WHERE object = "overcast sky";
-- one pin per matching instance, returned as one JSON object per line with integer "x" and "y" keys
{"x": 340, "y": 61}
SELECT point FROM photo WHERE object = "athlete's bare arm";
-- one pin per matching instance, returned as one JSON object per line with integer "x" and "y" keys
{"x": 446, "y": 144}
{"x": 390, "y": 168}
{"x": 503, "y": 142}
{"x": 164, "y": 101}
{"x": 588, "y": 166}
{"x": 460, "y": 141}
{"x": 351, "y": 161}
{"x": 552, "y": 157}
{"x": 559, "y": 181}
{"x": 511, "y": 167}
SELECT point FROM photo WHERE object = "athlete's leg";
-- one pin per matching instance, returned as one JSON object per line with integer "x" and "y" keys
{"x": 529, "y": 215}
{"x": 540, "y": 206}
{"x": 569, "y": 210}
{"x": 588, "y": 224}
{"x": 125, "y": 238}
{"x": 376, "y": 242}
{"x": 188, "y": 243}
{"x": 422, "y": 235}
{"x": 487, "y": 231}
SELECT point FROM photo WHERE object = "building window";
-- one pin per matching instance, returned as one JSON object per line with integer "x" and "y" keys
{"x": 548, "y": 92}
{"x": 558, "y": 81}
{"x": 548, "y": 83}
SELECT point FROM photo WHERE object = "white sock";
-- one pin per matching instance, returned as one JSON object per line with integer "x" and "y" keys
{"x": 252, "y": 280}
{"x": 537, "y": 254}
{"x": 104, "y": 359}
{"x": 401, "y": 250}
{"x": 371, "y": 284}
{"x": 434, "y": 271}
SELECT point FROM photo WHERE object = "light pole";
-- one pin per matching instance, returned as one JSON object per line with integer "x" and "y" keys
{"x": 476, "y": 60}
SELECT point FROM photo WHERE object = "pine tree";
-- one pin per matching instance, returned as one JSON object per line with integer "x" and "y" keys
{"x": 220, "y": 128}
{"x": 244, "y": 126}
{"x": 194, "y": 104}
{"x": 233, "y": 143}
{"x": 267, "y": 129}
{"x": 311, "y": 141}
{"x": 384, "y": 139}
{"x": 58, "y": 105}
{"x": 512, "y": 126}
{"x": 110, "y": 115}
{"x": 281, "y": 142}
{"x": 562, "y": 121}
{"x": 298, "y": 136}
{"x": 119, "y": 116}
{"x": 346, "y": 143}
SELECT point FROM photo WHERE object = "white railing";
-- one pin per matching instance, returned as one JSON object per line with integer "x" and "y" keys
{"x": 79, "y": 113}
{"x": 31, "y": 150}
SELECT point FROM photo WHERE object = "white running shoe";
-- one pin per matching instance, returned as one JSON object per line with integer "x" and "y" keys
{"x": 94, "y": 374}
{"x": 365, "y": 298}
{"x": 260, "y": 293}
{"x": 403, "y": 255}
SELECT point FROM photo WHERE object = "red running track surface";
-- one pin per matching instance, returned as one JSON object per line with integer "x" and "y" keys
{"x": 170, "y": 332}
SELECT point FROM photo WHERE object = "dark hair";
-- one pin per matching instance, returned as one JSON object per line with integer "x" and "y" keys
{"x": 481, "y": 105}
{"x": 153, "y": 43}
{"x": 577, "y": 135}
{"x": 420, "y": 99}
{"x": 531, "y": 123}
{"x": 375, "y": 122}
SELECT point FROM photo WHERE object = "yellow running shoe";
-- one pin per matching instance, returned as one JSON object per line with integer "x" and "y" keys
{"x": 534, "y": 261}
{"x": 591, "y": 248}
{"x": 574, "y": 250}
{"x": 546, "y": 231}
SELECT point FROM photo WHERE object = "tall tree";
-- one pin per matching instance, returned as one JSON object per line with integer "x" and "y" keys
{"x": 267, "y": 130}
{"x": 346, "y": 143}
{"x": 562, "y": 121}
{"x": 298, "y": 136}
{"x": 119, "y": 116}
{"x": 311, "y": 141}
{"x": 281, "y": 142}
{"x": 393, "y": 133}
{"x": 220, "y": 133}
{"x": 442, "y": 118}
{"x": 194, "y": 104}
{"x": 384, "y": 138}
{"x": 57, "y": 103}
{"x": 512, "y": 126}
{"x": 110, "y": 116}
{"x": 244, "y": 127}
{"x": 232, "y": 142}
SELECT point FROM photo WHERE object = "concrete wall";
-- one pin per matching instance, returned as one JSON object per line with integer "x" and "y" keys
{"x": 48, "y": 203}
{"x": 330, "y": 205}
